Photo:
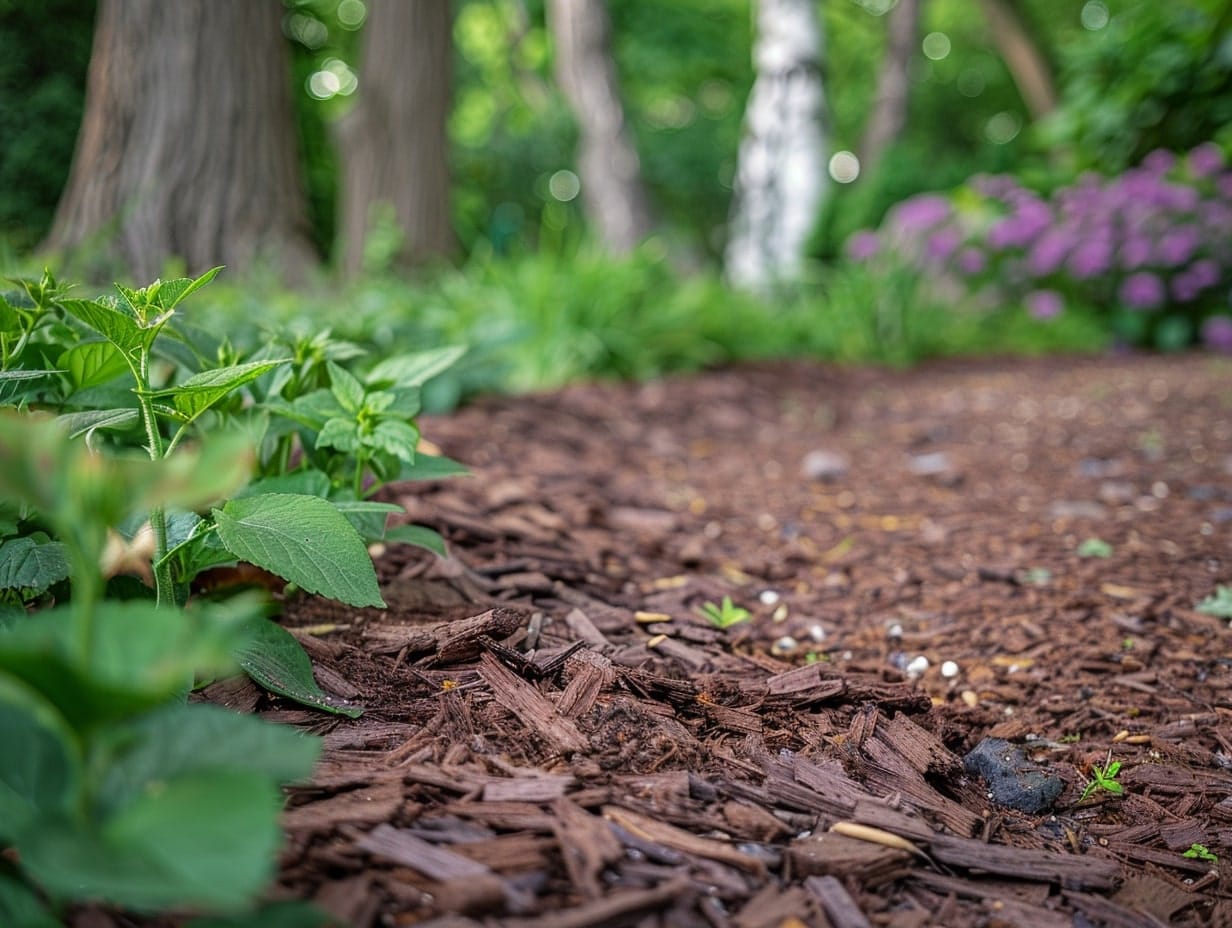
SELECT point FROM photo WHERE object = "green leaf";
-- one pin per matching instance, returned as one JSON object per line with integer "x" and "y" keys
{"x": 26, "y": 564}
{"x": 19, "y": 374}
{"x": 306, "y": 482}
{"x": 347, "y": 390}
{"x": 339, "y": 433}
{"x": 40, "y": 766}
{"x": 418, "y": 535}
{"x": 201, "y": 391}
{"x": 394, "y": 437}
{"x": 20, "y": 906}
{"x": 1095, "y": 547}
{"x": 277, "y": 661}
{"x": 432, "y": 467}
{"x": 180, "y": 739}
{"x": 118, "y": 327}
{"x": 140, "y": 655}
{"x": 206, "y": 840}
{"x": 366, "y": 516}
{"x": 173, "y": 292}
{"x": 412, "y": 370}
{"x": 92, "y": 363}
{"x": 1218, "y": 604}
{"x": 303, "y": 539}
{"x": 81, "y": 423}
{"x": 273, "y": 915}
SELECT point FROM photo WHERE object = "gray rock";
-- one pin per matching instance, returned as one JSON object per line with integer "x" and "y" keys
{"x": 932, "y": 464}
{"x": 1013, "y": 780}
{"x": 824, "y": 465}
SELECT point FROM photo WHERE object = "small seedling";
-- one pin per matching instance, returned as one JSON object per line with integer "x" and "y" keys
{"x": 1201, "y": 852}
{"x": 1095, "y": 547}
{"x": 1104, "y": 778}
{"x": 1218, "y": 604}
{"x": 725, "y": 615}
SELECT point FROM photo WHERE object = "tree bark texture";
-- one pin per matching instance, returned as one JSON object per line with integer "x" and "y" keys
{"x": 613, "y": 194}
{"x": 781, "y": 166}
{"x": 394, "y": 146}
{"x": 889, "y": 115}
{"x": 1027, "y": 64}
{"x": 187, "y": 144}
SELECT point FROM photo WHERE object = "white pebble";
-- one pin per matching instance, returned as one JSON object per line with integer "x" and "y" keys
{"x": 768, "y": 597}
{"x": 917, "y": 666}
{"x": 785, "y": 645}
{"x": 949, "y": 669}
{"x": 894, "y": 631}
{"x": 816, "y": 632}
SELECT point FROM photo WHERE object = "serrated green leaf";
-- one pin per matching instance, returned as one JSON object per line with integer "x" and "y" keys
{"x": 206, "y": 840}
{"x": 277, "y": 661}
{"x": 395, "y": 437}
{"x": 181, "y": 739}
{"x": 29, "y": 565}
{"x": 40, "y": 766}
{"x": 432, "y": 467}
{"x": 339, "y": 433}
{"x": 173, "y": 292}
{"x": 201, "y": 391}
{"x": 79, "y": 423}
{"x": 118, "y": 327}
{"x": 418, "y": 535}
{"x": 368, "y": 517}
{"x": 92, "y": 363}
{"x": 347, "y": 390}
{"x": 304, "y": 482}
{"x": 412, "y": 370}
{"x": 303, "y": 539}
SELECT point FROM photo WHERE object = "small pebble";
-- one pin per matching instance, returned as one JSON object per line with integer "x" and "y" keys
{"x": 917, "y": 666}
{"x": 824, "y": 465}
{"x": 768, "y": 597}
{"x": 970, "y": 698}
{"x": 817, "y": 632}
{"x": 780, "y": 614}
{"x": 785, "y": 645}
{"x": 933, "y": 464}
{"x": 894, "y": 631}
{"x": 949, "y": 670}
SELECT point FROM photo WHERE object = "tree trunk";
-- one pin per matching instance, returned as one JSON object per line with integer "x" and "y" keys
{"x": 1027, "y": 64}
{"x": 612, "y": 192}
{"x": 394, "y": 151}
{"x": 889, "y": 115}
{"x": 781, "y": 169}
{"x": 187, "y": 145}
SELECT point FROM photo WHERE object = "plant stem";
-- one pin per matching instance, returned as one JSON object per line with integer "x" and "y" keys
{"x": 164, "y": 586}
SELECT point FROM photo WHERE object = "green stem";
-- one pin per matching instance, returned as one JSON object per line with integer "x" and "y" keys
{"x": 164, "y": 585}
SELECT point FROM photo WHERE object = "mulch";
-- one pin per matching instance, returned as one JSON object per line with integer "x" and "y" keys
{"x": 1008, "y": 549}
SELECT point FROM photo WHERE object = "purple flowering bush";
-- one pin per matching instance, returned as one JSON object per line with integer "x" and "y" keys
{"x": 1151, "y": 247}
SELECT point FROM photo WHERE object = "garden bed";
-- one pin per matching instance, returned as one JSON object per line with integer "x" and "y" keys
{"x": 554, "y": 736}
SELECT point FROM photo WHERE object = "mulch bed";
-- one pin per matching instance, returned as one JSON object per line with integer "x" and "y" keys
{"x": 554, "y": 737}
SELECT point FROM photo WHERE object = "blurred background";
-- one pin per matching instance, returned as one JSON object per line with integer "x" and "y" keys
{"x": 587, "y": 188}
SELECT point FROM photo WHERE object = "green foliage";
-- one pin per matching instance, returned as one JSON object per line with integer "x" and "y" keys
{"x": 725, "y": 614}
{"x": 1094, "y": 547}
{"x": 1104, "y": 779}
{"x": 1155, "y": 77}
{"x": 1197, "y": 851}
{"x": 1218, "y": 604}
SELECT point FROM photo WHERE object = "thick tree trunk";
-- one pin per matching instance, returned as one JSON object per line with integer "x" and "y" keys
{"x": 1027, "y": 64}
{"x": 889, "y": 115}
{"x": 394, "y": 147}
{"x": 187, "y": 146}
{"x": 612, "y": 191}
{"x": 781, "y": 169}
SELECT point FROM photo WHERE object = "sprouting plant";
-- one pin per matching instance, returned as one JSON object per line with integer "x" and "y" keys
{"x": 1095, "y": 547}
{"x": 724, "y": 615}
{"x": 1218, "y": 604}
{"x": 1104, "y": 778}
{"x": 1201, "y": 852}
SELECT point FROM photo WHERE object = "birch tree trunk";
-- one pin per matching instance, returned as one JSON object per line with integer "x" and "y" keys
{"x": 394, "y": 148}
{"x": 1026, "y": 62}
{"x": 889, "y": 115}
{"x": 187, "y": 144}
{"x": 781, "y": 168}
{"x": 613, "y": 195}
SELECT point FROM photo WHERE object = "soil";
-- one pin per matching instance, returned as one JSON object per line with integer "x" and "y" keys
{"x": 554, "y": 736}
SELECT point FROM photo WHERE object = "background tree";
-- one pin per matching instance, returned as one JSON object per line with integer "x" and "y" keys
{"x": 608, "y": 164}
{"x": 889, "y": 113}
{"x": 780, "y": 175}
{"x": 393, "y": 143}
{"x": 1024, "y": 55}
{"x": 187, "y": 145}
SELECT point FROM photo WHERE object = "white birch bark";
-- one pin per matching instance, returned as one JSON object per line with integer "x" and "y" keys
{"x": 781, "y": 170}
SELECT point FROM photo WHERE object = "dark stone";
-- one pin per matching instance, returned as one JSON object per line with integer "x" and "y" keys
{"x": 1013, "y": 780}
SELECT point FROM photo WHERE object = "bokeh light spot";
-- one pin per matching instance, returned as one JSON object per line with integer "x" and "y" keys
{"x": 844, "y": 167}
{"x": 1002, "y": 128}
{"x": 564, "y": 186}
{"x": 351, "y": 14}
{"x": 1094, "y": 15}
{"x": 936, "y": 45}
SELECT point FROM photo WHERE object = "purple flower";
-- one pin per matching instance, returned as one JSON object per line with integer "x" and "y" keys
{"x": 1142, "y": 290}
{"x": 971, "y": 260}
{"x": 1205, "y": 273}
{"x": 1044, "y": 304}
{"x": 1159, "y": 161}
{"x": 1217, "y": 334}
{"x": 1020, "y": 228}
{"x": 863, "y": 245}
{"x": 1223, "y": 184}
{"x": 1206, "y": 160}
{"x": 1091, "y": 258}
{"x": 1184, "y": 288}
{"x": 1135, "y": 252}
{"x": 1049, "y": 253}
{"x": 920, "y": 213}
{"x": 1178, "y": 245}
{"x": 941, "y": 244}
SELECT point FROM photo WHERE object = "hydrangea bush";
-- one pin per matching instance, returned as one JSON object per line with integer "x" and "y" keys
{"x": 1152, "y": 246}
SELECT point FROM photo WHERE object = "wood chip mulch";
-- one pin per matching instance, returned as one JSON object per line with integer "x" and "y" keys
{"x": 554, "y": 737}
